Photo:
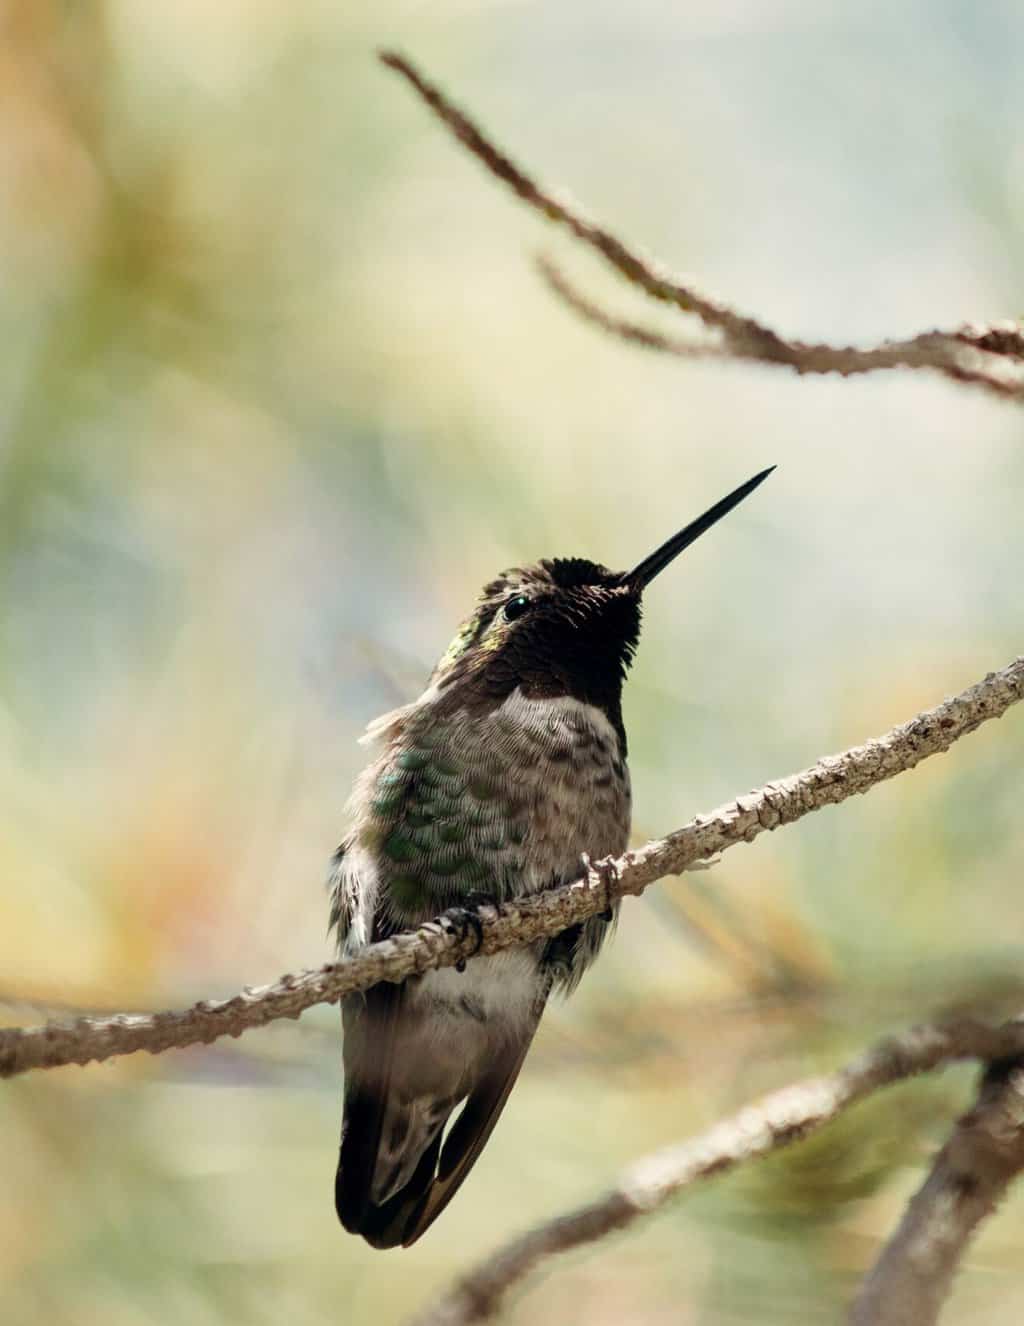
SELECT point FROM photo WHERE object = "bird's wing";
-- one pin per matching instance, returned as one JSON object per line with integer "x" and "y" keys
{"x": 436, "y": 827}
{"x": 370, "y": 1021}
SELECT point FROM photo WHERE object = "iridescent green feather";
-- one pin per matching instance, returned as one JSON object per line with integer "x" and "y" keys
{"x": 441, "y": 823}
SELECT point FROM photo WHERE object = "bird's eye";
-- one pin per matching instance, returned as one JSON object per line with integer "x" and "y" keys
{"x": 515, "y": 607}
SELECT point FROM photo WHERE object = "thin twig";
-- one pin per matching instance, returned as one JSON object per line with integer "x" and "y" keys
{"x": 775, "y": 1121}
{"x": 990, "y": 357}
{"x": 912, "y": 1278}
{"x": 634, "y": 332}
{"x": 831, "y": 780}
{"x": 957, "y": 355}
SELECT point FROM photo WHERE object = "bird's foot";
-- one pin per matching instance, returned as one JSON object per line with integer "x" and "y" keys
{"x": 480, "y": 898}
{"x": 607, "y": 873}
{"x": 460, "y": 921}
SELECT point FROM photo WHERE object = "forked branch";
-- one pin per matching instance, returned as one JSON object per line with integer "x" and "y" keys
{"x": 991, "y": 357}
{"x": 768, "y": 1125}
{"x": 986, "y": 1150}
{"x": 913, "y": 1276}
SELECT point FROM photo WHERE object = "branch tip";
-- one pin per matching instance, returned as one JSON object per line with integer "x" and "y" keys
{"x": 990, "y": 357}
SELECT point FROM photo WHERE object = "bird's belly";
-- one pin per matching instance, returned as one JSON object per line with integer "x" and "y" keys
{"x": 495, "y": 995}
{"x": 455, "y": 1024}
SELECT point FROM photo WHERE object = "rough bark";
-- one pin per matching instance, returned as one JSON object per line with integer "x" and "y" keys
{"x": 831, "y": 780}
{"x": 912, "y": 1278}
{"x": 990, "y": 1152}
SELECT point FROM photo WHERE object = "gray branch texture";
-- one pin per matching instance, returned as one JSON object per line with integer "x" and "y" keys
{"x": 777, "y": 1120}
{"x": 985, "y": 1151}
{"x": 990, "y": 357}
{"x": 983, "y": 1157}
{"x": 831, "y": 780}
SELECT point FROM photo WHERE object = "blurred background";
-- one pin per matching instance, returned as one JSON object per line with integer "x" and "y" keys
{"x": 279, "y": 390}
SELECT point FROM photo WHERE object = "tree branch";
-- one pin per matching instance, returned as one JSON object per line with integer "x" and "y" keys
{"x": 989, "y": 357}
{"x": 633, "y": 332}
{"x": 773, "y": 1122}
{"x": 970, "y": 362}
{"x": 831, "y": 780}
{"x": 911, "y": 1279}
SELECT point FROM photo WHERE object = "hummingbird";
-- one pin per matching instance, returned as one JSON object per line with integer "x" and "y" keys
{"x": 506, "y": 777}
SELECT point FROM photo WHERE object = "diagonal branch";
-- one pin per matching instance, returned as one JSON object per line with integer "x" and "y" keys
{"x": 911, "y": 1280}
{"x": 990, "y": 357}
{"x": 831, "y": 780}
{"x": 962, "y": 355}
{"x": 769, "y": 1124}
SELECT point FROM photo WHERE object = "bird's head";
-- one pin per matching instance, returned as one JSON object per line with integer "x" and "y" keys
{"x": 564, "y": 626}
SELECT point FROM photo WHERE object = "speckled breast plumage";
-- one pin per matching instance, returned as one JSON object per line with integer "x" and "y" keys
{"x": 495, "y": 805}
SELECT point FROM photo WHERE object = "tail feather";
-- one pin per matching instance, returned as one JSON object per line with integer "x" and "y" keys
{"x": 397, "y": 1171}
{"x": 385, "y": 1226}
{"x": 466, "y": 1139}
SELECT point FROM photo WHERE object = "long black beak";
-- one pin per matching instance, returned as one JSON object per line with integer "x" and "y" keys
{"x": 642, "y": 575}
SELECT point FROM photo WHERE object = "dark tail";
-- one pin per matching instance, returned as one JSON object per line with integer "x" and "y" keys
{"x": 386, "y": 1225}
{"x": 410, "y": 1211}
{"x": 371, "y": 1023}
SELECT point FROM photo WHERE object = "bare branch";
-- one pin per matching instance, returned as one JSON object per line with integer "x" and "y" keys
{"x": 957, "y": 355}
{"x": 831, "y": 780}
{"x": 634, "y": 332}
{"x": 972, "y": 1172}
{"x": 990, "y": 357}
{"x": 775, "y": 1121}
